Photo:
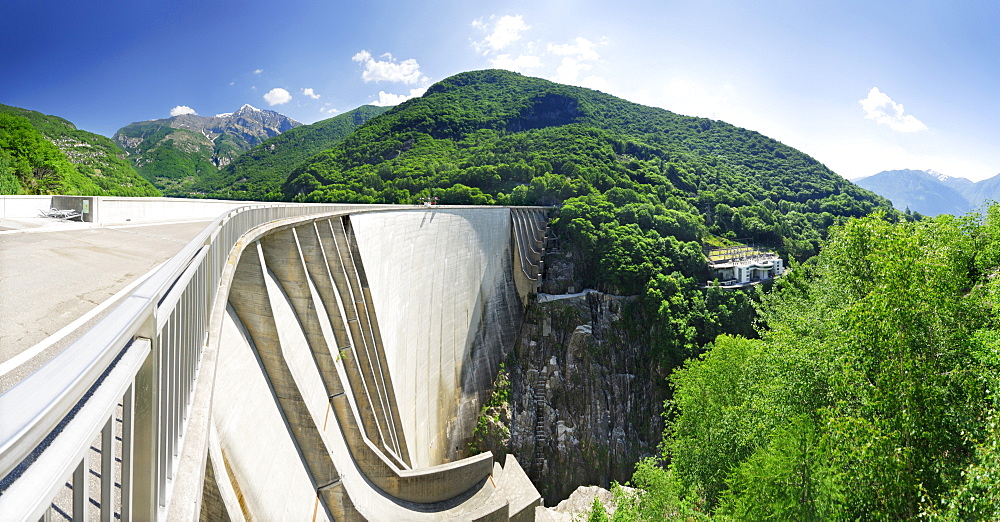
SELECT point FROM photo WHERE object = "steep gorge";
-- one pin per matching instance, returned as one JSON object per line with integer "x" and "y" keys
{"x": 585, "y": 393}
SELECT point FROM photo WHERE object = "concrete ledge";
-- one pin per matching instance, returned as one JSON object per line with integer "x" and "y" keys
{"x": 425, "y": 485}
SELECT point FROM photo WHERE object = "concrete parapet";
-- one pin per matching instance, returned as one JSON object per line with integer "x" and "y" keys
{"x": 14, "y": 207}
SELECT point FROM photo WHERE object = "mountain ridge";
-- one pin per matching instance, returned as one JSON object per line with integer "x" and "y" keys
{"x": 932, "y": 193}
{"x": 175, "y": 153}
{"x": 259, "y": 172}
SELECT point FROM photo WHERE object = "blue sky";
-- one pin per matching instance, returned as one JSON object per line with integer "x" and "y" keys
{"x": 861, "y": 86}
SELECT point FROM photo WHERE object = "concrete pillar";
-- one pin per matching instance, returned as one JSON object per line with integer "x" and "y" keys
{"x": 250, "y": 300}
{"x": 283, "y": 256}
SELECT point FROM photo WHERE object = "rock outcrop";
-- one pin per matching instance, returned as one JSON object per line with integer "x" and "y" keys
{"x": 586, "y": 399}
{"x": 578, "y": 505}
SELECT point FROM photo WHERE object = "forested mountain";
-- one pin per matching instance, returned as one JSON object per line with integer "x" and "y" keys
{"x": 258, "y": 173}
{"x": 640, "y": 191}
{"x": 499, "y": 137}
{"x": 42, "y": 154}
{"x": 175, "y": 153}
{"x": 931, "y": 193}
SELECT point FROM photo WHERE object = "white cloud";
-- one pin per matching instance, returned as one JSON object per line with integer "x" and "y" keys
{"x": 504, "y": 32}
{"x": 574, "y": 62}
{"x": 326, "y": 109}
{"x": 310, "y": 93}
{"x": 507, "y": 30}
{"x": 582, "y": 48}
{"x": 879, "y": 106}
{"x": 277, "y": 96}
{"x": 407, "y": 71}
{"x": 386, "y": 99}
{"x": 596, "y": 82}
{"x": 181, "y": 109}
{"x": 258, "y": 71}
{"x": 519, "y": 64}
{"x": 569, "y": 70}
{"x": 856, "y": 156}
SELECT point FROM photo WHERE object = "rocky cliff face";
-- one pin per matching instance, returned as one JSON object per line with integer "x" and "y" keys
{"x": 586, "y": 400}
{"x": 175, "y": 152}
{"x": 247, "y": 127}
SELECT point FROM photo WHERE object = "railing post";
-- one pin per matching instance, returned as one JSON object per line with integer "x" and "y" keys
{"x": 107, "y": 470}
{"x": 146, "y": 465}
{"x": 80, "y": 490}
{"x": 128, "y": 435}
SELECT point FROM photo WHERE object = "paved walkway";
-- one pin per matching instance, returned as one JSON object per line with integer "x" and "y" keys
{"x": 52, "y": 273}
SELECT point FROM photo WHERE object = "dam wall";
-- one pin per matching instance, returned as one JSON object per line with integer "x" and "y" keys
{"x": 448, "y": 310}
{"x": 353, "y": 353}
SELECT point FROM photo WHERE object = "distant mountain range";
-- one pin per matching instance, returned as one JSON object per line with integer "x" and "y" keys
{"x": 258, "y": 173}
{"x": 931, "y": 193}
{"x": 43, "y": 154}
{"x": 175, "y": 153}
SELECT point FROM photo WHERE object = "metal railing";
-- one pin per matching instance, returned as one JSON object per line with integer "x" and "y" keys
{"x": 142, "y": 358}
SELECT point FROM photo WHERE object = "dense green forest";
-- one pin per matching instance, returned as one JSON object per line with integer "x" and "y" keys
{"x": 640, "y": 190}
{"x": 258, "y": 173}
{"x": 41, "y": 154}
{"x": 499, "y": 137}
{"x": 871, "y": 392}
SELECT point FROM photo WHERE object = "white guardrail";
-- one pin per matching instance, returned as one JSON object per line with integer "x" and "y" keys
{"x": 142, "y": 357}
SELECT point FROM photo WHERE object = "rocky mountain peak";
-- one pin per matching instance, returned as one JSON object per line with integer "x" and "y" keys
{"x": 199, "y": 143}
{"x": 249, "y": 108}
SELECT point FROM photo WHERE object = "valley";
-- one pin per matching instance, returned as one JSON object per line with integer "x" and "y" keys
{"x": 859, "y": 384}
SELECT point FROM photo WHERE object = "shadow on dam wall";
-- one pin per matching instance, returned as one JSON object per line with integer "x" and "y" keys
{"x": 354, "y": 353}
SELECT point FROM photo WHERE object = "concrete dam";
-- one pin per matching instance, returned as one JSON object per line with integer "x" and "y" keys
{"x": 333, "y": 369}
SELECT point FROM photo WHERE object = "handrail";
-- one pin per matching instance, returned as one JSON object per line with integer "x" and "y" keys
{"x": 23, "y": 429}
{"x": 33, "y": 410}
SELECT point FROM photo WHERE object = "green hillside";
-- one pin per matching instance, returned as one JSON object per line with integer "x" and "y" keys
{"x": 500, "y": 137}
{"x": 172, "y": 159}
{"x": 41, "y": 154}
{"x": 258, "y": 173}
